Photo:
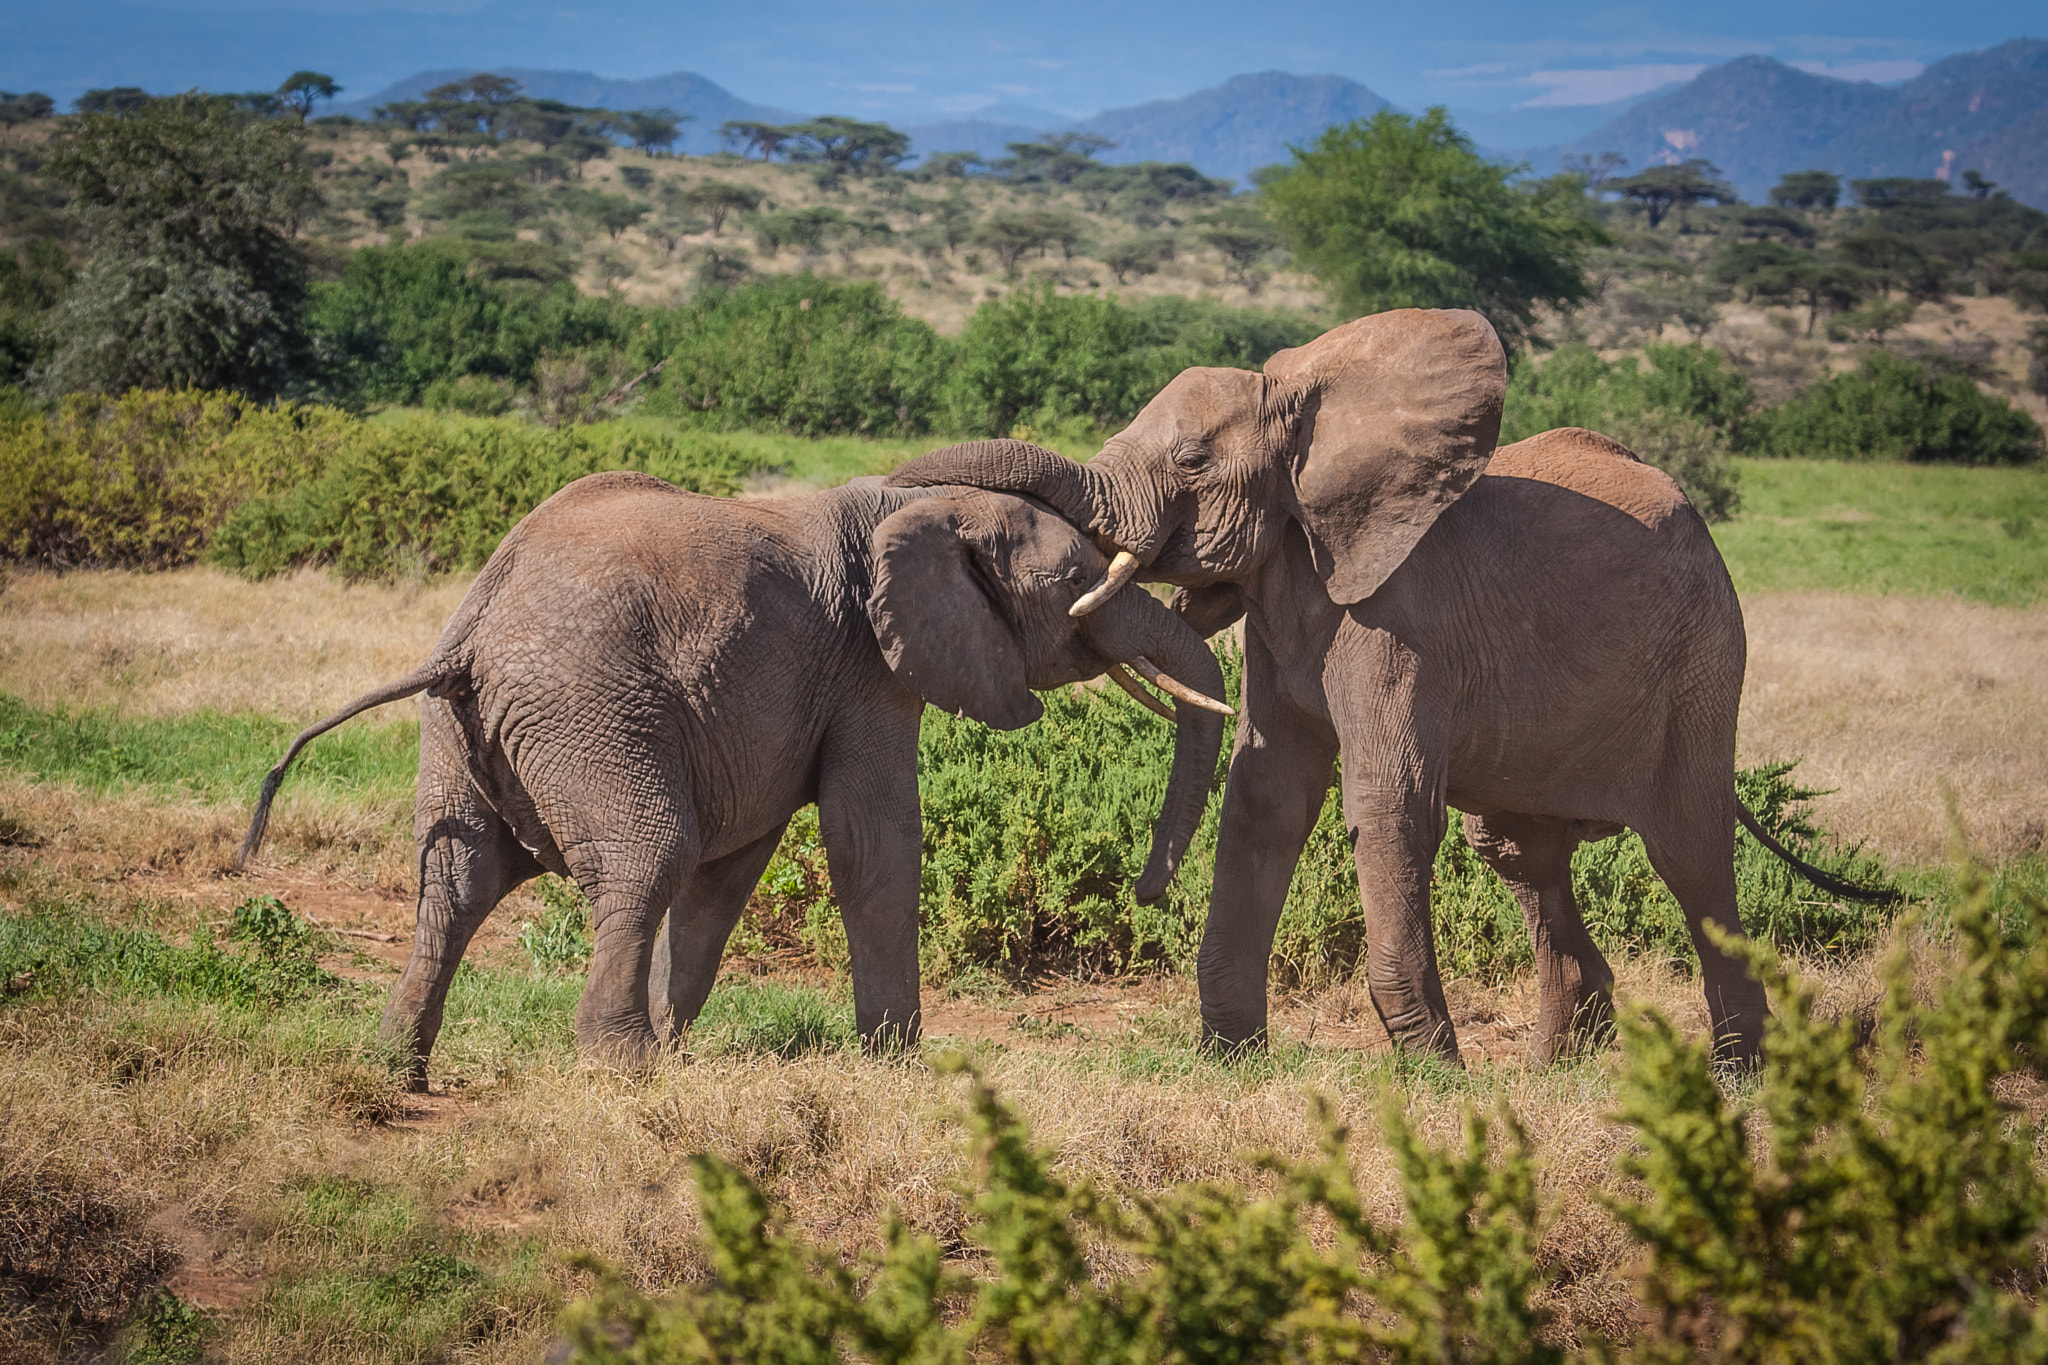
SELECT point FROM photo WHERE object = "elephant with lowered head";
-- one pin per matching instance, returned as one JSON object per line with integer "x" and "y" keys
{"x": 643, "y": 685}
{"x": 1549, "y": 642}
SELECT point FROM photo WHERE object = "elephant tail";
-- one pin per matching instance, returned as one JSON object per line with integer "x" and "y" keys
{"x": 439, "y": 675}
{"x": 1826, "y": 881}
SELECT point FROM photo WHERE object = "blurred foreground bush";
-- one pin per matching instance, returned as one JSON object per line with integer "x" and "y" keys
{"x": 1859, "y": 1203}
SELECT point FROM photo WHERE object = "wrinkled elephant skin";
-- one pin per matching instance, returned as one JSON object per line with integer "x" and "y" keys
{"x": 643, "y": 685}
{"x": 1544, "y": 637}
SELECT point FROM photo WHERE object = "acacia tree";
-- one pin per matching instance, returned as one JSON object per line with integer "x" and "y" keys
{"x": 653, "y": 130}
{"x": 1660, "y": 189}
{"x": 302, "y": 89}
{"x": 717, "y": 198}
{"x": 194, "y": 279}
{"x": 1400, "y": 212}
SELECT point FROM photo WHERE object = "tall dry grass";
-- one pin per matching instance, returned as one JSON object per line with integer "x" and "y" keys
{"x": 196, "y": 639}
{"x": 1884, "y": 699}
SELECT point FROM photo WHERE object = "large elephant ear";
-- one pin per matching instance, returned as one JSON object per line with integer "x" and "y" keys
{"x": 1400, "y": 412}
{"x": 942, "y": 631}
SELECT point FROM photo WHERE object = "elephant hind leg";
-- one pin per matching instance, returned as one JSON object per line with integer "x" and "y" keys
{"x": 1533, "y": 855}
{"x": 469, "y": 861}
{"x": 1695, "y": 855}
{"x": 692, "y": 941}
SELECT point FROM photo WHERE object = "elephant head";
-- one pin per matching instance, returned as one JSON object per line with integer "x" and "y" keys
{"x": 1362, "y": 437}
{"x": 972, "y": 603}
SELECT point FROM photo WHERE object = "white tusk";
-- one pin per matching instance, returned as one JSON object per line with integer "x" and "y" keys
{"x": 1122, "y": 569}
{"x": 1119, "y": 676}
{"x": 1179, "y": 690}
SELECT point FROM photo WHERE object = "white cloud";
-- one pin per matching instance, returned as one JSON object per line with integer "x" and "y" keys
{"x": 1882, "y": 72}
{"x": 1482, "y": 69}
{"x": 1015, "y": 91}
{"x": 1605, "y": 84}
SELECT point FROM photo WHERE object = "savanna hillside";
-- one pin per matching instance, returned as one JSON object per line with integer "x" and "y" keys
{"x": 415, "y": 333}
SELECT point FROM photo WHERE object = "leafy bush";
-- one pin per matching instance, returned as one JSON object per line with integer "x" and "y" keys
{"x": 1686, "y": 414}
{"x": 402, "y": 321}
{"x": 144, "y": 479}
{"x": 1879, "y": 1204}
{"x": 1042, "y": 358}
{"x": 1893, "y": 409}
{"x": 1033, "y": 837}
{"x": 800, "y": 354}
{"x": 434, "y": 494}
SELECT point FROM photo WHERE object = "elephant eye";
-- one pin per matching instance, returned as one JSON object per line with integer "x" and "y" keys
{"x": 1191, "y": 456}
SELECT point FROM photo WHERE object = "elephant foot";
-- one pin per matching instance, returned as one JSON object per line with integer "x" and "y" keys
{"x": 1578, "y": 1023}
{"x": 1233, "y": 1045}
{"x": 633, "y": 1051}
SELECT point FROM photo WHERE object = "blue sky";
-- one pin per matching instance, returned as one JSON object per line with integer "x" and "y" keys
{"x": 907, "y": 60}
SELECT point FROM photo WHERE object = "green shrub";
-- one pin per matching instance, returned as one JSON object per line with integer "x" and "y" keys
{"x": 1893, "y": 409}
{"x": 434, "y": 494}
{"x": 1041, "y": 358}
{"x": 405, "y": 321}
{"x": 1033, "y": 837}
{"x": 1879, "y": 1203}
{"x": 799, "y": 354}
{"x": 1686, "y": 414}
{"x": 144, "y": 479}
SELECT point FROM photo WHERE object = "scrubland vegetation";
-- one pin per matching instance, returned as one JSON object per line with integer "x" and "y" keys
{"x": 456, "y": 311}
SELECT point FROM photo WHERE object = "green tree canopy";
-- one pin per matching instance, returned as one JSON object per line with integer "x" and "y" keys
{"x": 715, "y": 199}
{"x": 1394, "y": 212}
{"x": 1898, "y": 191}
{"x": 194, "y": 280}
{"x": 1661, "y": 189}
{"x": 303, "y": 89}
{"x": 1807, "y": 190}
{"x": 653, "y": 130}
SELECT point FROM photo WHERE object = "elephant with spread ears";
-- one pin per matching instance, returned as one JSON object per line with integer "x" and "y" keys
{"x": 1544, "y": 637}
{"x": 643, "y": 685}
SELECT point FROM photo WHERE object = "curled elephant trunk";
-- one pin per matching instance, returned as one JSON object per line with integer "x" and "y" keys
{"x": 1126, "y": 514}
{"x": 1134, "y": 626}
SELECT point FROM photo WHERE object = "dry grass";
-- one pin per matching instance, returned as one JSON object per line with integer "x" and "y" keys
{"x": 154, "y": 644}
{"x": 1885, "y": 699}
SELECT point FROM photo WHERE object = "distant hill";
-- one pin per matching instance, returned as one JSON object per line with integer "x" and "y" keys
{"x": 988, "y": 138}
{"x": 1986, "y": 111}
{"x": 708, "y": 103}
{"x": 1753, "y": 117}
{"x": 1232, "y": 128}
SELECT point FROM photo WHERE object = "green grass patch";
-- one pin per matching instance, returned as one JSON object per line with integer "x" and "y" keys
{"x": 749, "y": 1018}
{"x": 215, "y": 756}
{"x": 57, "y": 951}
{"x": 1894, "y": 529}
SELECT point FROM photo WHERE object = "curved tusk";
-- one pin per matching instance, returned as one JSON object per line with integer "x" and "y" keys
{"x": 1122, "y": 569}
{"x": 1122, "y": 678}
{"x": 1151, "y": 674}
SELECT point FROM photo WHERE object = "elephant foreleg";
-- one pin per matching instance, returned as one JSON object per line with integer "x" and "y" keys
{"x": 868, "y": 815}
{"x": 1533, "y": 855}
{"x": 1395, "y": 830}
{"x": 1280, "y": 771}
{"x": 692, "y": 941}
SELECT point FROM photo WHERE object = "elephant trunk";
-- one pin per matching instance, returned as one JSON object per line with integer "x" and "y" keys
{"x": 1129, "y": 513}
{"x": 1134, "y": 625}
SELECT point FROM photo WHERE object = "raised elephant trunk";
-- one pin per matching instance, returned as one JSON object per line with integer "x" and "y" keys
{"x": 1123, "y": 514}
{"x": 1132, "y": 627}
